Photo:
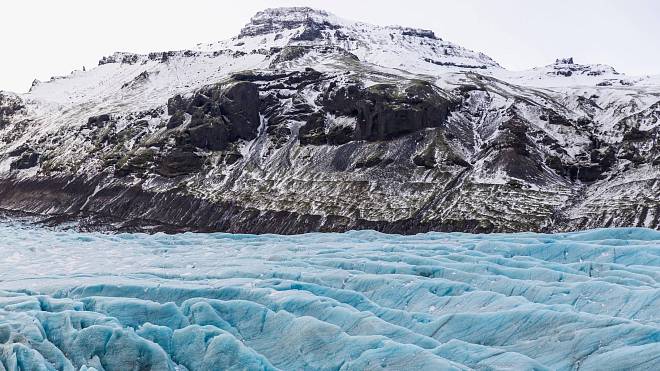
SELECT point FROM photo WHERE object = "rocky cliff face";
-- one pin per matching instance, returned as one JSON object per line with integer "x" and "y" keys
{"x": 307, "y": 122}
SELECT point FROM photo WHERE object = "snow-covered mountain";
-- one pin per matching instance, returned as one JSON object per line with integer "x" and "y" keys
{"x": 309, "y": 122}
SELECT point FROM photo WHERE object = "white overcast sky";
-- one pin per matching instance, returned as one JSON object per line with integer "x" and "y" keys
{"x": 44, "y": 38}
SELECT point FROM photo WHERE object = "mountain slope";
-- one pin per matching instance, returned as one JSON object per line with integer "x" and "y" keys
{"x": 308, "y": 122}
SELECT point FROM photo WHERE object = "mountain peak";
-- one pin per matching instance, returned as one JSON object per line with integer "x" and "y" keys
{"x": 568, "y": 60}
{"x": 293, "y": 12}
{"x": 312, "y": 21}
{"x": 567, "y": 67}
{"x": 288, "y": 18}
{"x": 398, "y": 47}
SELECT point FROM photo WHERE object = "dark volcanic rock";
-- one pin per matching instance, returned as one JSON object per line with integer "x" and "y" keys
{"x": 9, "y": 105}
{"x": 387, "y": 111}
{"x": 97, "y": 121}
{"x": 137, "y": 163}
{"x": 310, "y": 32}
{"x": 27, "y": 160}
{"x": 314, "y": 132}
{"x": 586, "y": 172}
{"x": 178, "y": 163}
{"x": 511, "y": 151}
{"x": 219, "y": 115}
{"x": 419, "y": 33}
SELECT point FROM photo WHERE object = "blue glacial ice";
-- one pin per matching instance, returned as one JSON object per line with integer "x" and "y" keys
{"x": 353, "y": 301}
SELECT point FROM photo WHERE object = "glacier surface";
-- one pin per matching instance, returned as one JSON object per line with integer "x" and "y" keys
{"x": 353, "y": 301}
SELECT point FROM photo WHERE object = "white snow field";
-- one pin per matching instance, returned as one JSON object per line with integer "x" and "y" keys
{"x": 354, "y": 301}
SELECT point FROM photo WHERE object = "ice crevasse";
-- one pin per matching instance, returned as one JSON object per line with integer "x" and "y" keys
{"x": 353, "y": 301}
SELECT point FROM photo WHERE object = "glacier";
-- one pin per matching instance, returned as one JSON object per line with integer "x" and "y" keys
{"x": 359, "y": 300}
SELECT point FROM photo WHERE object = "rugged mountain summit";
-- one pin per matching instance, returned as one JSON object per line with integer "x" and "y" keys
{"x": 308, "y": 122}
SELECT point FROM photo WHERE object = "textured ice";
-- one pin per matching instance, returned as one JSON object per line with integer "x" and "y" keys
{"x": 353, "y": 301}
